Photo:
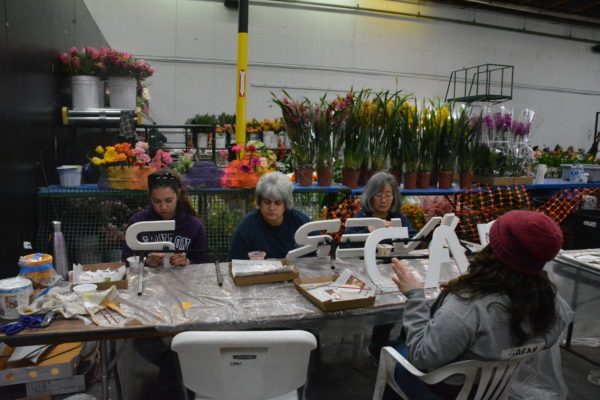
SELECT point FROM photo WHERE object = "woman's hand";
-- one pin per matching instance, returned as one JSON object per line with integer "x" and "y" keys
{"x": 179, "y": 259}
{"x": 386, "y": 224}
{"x": 154, "y": 260}
{"x": 404, "y": 279}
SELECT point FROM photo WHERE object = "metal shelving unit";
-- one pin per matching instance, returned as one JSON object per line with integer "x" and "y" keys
{"x": 486, "y": 82}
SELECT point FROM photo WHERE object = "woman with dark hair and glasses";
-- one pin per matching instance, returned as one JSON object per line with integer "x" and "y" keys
{"x": 381, "y": 199}
{"x": 169, "y": 200}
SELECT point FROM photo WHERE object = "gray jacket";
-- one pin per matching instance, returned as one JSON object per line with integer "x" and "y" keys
{"x": 466, "y": 329}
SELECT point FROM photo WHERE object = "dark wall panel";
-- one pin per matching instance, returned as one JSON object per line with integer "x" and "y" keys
{"x": 32, "y": 91}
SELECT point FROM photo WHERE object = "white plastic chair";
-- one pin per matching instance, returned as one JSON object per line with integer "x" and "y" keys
{"x": 249, "y": 365}
{"x": 492, "y": 378}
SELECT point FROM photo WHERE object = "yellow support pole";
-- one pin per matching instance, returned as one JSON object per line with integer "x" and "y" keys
{"x": 242, "y": 74}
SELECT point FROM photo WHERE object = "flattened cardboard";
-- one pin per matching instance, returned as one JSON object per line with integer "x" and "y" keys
{"x": 60, "y": 361}
{"x": 122, "y": 284}
{"x": 331, "y": 305}
{"x": 268, "y": 278}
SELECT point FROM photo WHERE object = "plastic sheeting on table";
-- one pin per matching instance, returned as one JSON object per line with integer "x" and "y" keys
{"x": 190, "y": 298}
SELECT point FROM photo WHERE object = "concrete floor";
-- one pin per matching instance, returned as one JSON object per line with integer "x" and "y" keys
{"x": 333, "y": 378}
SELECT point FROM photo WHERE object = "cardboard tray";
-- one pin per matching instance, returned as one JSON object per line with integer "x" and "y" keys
{"x": 255, "y": 279}
{"x": 122, "y": 284}
{"x": 58, "y": 362}
{"x": 503, "y": 180}
{"x": 331, "y": 305}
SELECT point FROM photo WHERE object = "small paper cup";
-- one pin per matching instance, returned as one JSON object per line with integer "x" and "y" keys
{"x": 85, "y": 288}
{"x": 257, "y": 255}
{"x": 384, "y": 250}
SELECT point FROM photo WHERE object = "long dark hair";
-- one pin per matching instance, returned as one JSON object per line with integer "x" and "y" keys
{"x": 167, "y": 178}
{"x": 531, "y": 297}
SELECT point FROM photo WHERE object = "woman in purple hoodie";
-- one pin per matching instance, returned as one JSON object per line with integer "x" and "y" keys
{"x": 169, "y": 200}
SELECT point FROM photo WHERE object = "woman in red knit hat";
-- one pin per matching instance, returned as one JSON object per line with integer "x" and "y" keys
{"x": 504, "y": 301}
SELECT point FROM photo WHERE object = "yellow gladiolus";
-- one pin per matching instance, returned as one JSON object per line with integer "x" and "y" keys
{"x": 100, "y": 150}
{"x": 96, "y": 160}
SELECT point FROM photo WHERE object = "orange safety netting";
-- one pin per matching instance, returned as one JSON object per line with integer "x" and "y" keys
{"x": 486, "y": 203}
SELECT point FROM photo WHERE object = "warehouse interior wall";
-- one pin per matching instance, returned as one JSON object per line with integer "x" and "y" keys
{"x": 33, "y": 141}
{"x": 309, "y": 50}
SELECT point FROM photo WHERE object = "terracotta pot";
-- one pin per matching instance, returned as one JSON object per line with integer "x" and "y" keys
{"x": 324, "y": 176}
{"x": 434, "y": 179}
{"x": 423, "y": 179}
{"x": 397, "y": 173}
{"x": 445, "y": 180}
{"x": 350, "y": 178}
{"x": 304, "y": 176}
{"x": 410, "y": 180}
{"x": 466, "y": 180}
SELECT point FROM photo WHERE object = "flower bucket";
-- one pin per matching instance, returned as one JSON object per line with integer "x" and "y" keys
{"x": 466, "y": 180}
{"x": 410, "y": 180}
{"x": 122, "y": 90}
{"x": 350, "y": 178}
{"x": 84, "y": 91}
{"x": 445, "y": 180}
{"x": 139, "y": 177}
{"x": 119, "y": 177}
{"x": 101, "y": 92}
{"x": 304, "y": 176}
{"x": 324, "y": 176}
{"x": 423, "y": 179}
{"x": 69, "y": 175}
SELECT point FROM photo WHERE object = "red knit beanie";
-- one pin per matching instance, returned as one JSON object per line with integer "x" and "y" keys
{"x": 524, "y": 241}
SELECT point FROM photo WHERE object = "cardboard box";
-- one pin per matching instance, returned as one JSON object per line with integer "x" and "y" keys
{"x": 59, "y": 361}
{"x": 503, "y": 180}
{"x": 56, "y": 386}
{"x": 331, "y": 305}
{"x": 122, "y": 284}
{"x": 269, "y": 278}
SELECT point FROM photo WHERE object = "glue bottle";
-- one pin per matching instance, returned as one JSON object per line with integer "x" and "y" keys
{"x": 59, "y": 251}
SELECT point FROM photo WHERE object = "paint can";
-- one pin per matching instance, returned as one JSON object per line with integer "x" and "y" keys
{"x": 14, "y": 293}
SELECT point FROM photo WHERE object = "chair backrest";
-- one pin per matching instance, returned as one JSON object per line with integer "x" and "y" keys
{"x": 487, "y": 379}
{"x": 248, "y": 365}
{"x": 484, "y": 232}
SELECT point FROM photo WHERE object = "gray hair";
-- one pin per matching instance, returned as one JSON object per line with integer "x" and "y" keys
{"x": 376, "y": 184}
{"x": 276, "y": 186}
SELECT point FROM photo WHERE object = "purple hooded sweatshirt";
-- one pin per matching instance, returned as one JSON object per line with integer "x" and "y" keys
{"x": 188, "y": 234}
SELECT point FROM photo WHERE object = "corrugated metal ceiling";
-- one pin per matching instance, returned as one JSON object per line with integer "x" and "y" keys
{"x": 584, "y": 12}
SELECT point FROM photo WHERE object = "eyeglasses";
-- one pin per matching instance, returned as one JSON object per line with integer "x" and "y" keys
{"x": 386, "y": 196}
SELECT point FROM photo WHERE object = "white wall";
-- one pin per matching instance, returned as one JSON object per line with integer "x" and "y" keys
{"x": 193, "y": 44}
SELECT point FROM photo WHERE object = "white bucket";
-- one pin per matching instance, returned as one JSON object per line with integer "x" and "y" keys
{"x": 122, "y": 91}
{"x": 202, "y": 140}
{"x": 69, "y": 175}
{"x": 84, "y": 91}
{"x": 14, "y": 293}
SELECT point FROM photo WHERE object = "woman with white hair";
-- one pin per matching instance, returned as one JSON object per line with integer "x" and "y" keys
{"x": 272, "y": 226}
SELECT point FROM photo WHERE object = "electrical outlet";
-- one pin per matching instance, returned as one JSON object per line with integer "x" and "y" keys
{"x": 27, "y": 245}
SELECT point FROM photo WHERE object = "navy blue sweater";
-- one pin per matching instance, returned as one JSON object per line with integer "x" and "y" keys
{"x": 255, "y": 234}
{"x": 188, "y": 234}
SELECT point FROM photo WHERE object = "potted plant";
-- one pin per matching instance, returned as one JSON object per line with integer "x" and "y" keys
{"x": 446, "y": 154}
{"x": 409, "y": 127}
{"x": 83, "y": 67}
{"x": 432, "y": 120}
{"x": 296, "y": 115}
{"x": 354, "y": 138}
{"x": 123, "y": 71}
{"x": 468, "y": 137}
{"x": 327, "y": 119}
